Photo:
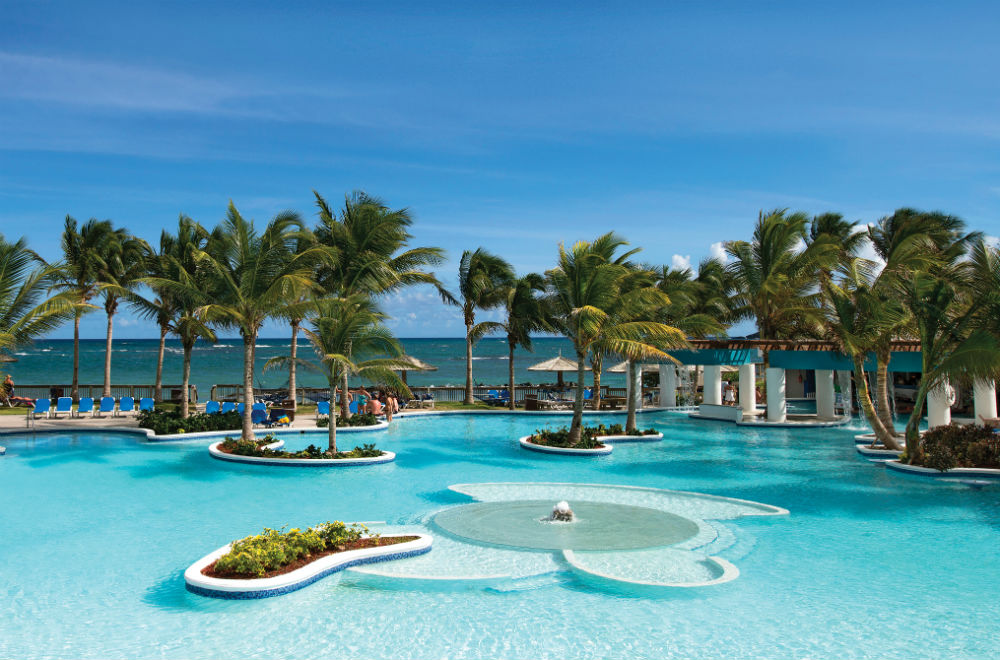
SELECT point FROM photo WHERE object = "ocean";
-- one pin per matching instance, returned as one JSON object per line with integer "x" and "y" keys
{"x": 133, "y": 362}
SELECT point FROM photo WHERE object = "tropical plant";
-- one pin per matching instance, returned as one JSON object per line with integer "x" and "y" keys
{"x": 26, "y": 309}
{"x": 590, "y": 279}
{"x": 250, "y": 278}
{"x": 370, "y": 242}
{"x": 483, "y": 280}
{"x": 774, "y": 275}
{"x": 524, "y": 314}
{"x": 125, "y": 259}
{"x": 80, "y": 274}
{"x": 343, "y": 328}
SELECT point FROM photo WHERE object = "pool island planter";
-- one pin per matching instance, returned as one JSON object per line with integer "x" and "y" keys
{"x": 278, "y": 585}
{"x": 216, "y": 452}
{"x": 953, "y": 473}
{"x": 563, "y": 451}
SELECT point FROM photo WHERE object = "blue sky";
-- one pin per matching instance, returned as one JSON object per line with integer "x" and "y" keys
{"x": 513, "y": 126}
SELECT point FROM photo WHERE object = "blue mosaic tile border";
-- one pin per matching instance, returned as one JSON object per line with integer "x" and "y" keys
{"x": 268, "y": 593}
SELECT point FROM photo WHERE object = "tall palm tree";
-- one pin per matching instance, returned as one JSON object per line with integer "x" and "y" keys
{"x": 125, "y": 259}
{"x": 586, "y": 283}
{"x": 80, "y": 270}
{"x": 906, "y": 241}
{"x": 524, "y": 314}
{"x": 183, "y": 284}
{"x": 253, "y": 277}
{"x": 774, "y": 275}
{"x": 26, "y": 309}
{"x": 483, "y": 279}
{"x": 161, "y": 307}
{"x": 858, "y": 319}
{"x": 341, "y": 329}
{"x": 370, "y": 242}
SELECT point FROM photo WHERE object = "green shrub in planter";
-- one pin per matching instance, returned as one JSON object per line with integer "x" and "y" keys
{"x": 947, "y": 447}
{"x": 364, "y": 419}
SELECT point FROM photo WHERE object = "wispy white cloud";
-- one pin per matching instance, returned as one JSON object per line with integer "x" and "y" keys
{"x": 680, "y": 262}
{"x": 717, "y": 250}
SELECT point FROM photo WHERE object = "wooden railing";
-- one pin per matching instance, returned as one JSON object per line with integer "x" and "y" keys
{"x": 170, "y": 392}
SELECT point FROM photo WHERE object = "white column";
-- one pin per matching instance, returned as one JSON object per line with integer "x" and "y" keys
{"x": 748, "y": 388}
{"x": 668, "y": 385}
{"x": 713, "y": 384}
{"x": 938, "y": 406}
{"x": 825, "y": 395}
{"x": 776, "y": 406}
{"x": 984, "y": 395}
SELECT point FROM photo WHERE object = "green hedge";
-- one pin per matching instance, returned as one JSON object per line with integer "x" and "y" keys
{"x": 255, "y": 556}
{"x": 166, "y": 422}
{"x": 241, "y": 447}
{"x": 947, "y": 447}
{"x": 365, "y": 419}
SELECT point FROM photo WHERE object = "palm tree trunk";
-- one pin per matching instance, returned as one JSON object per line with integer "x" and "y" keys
{"x": 468, "y": 364}
{"x": 882, "y": 390}
{"x": 158, "y": 387}
{"x": 75, "y": 388}
{"x": 632, "y": 397}
{"x": 331, "y": 444}
{"x": 249, "y": 341}
{"x": 186, "y": 378}
{"x": 882, "y": 435}
{"x": 345, "y": 409}
{"x": 597, "y": 365}
{"x": 510, "y": 374}
{"x": 576, "y": 427}
{"x": 912, "y": 454}
{"x": 107, "y": 356}
{"x": 291, "y": 366}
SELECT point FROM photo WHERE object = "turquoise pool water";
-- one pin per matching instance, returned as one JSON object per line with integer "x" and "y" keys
{"x": 98, "y": 529}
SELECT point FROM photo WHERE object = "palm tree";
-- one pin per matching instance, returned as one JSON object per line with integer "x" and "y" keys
{"x": 252, "y": 277}
{"x": 342, "y": 328}
{"x": 774, "y": 276}
{"x": 483, "y": 279}
{"x": 161, "y": 307}
{"x": 906, "y": 241}
{"x": 124, "y": 263}
{"x": 588, "y": 281}
{"x": 370, "y": 241}
{"x": 183, "y": 283}
{"x": 81, "y": 272}
{"x": 525, "y": 314}
{"x": 858, "y": 320}
{"x": 26, "y": 310}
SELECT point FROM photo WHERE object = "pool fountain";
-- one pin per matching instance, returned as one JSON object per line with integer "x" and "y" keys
{"x": 562, "y": 513}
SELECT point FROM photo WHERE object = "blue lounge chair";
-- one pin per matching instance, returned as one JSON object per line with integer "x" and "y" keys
{"x": 259, "y": 406}
{"x": 353, "y": 407}
{"x": 86, "y": 405}
{"x": 279, "y": 413}
{"x": 240, "y": 407}
{"x": 64, "y": 404}
{"x": 228, "y": 406}
{"x": 126, "y": 405}
{"x": 41, "y": 408}
{"x": 107, "y": 405}
{"x": 322, "y": 408}
{"x": 212, "y": 407}
{"x": 258, "y": 416}
{"x": 146, "y": 403}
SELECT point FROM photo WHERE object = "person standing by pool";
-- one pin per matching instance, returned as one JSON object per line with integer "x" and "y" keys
{"x": 730, "y": 395}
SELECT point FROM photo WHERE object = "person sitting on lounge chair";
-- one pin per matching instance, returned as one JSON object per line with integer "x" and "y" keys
{"x": 7, "y": 395}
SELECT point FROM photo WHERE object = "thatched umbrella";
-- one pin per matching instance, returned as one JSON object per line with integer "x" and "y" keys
{"x": 621, "y": 367}
{"x": 557, "y": 364}
{"x": 413, "y": 364}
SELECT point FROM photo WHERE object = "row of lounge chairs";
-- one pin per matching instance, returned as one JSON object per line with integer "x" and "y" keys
{"x": 260, "y": 414}
{"x": 85, "y": 406}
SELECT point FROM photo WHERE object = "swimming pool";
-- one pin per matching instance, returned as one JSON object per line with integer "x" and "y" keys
{"x": 99, "y": 528}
